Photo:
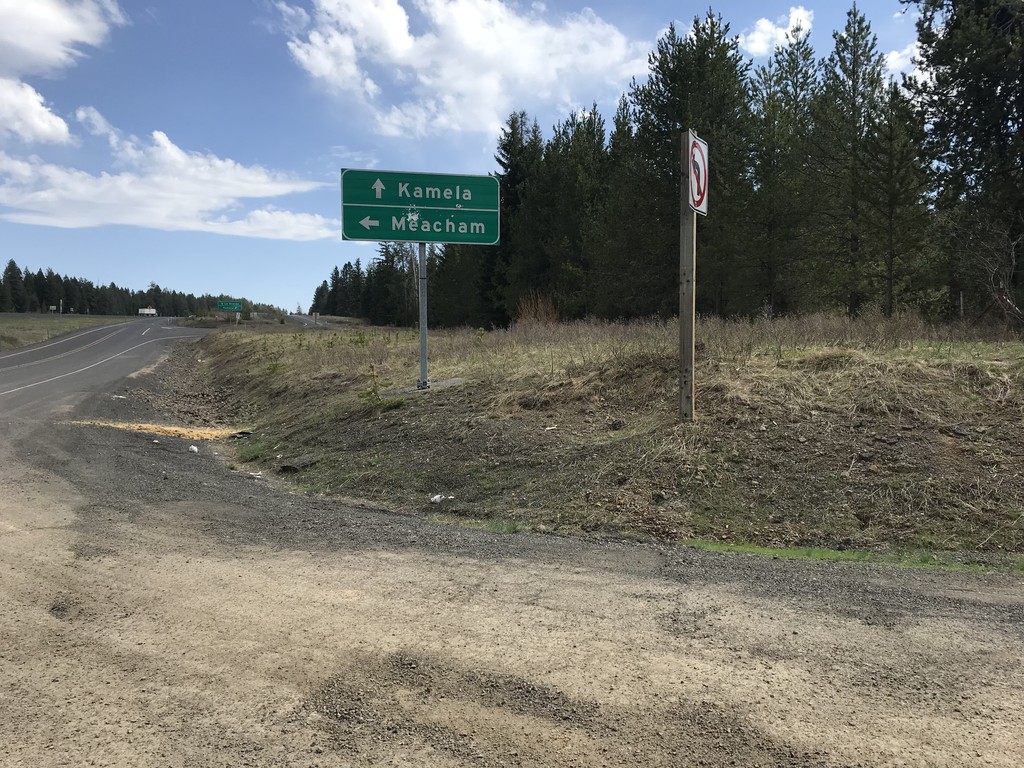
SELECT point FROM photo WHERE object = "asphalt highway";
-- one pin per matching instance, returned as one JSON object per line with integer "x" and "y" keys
{"x": 60, "y": 371}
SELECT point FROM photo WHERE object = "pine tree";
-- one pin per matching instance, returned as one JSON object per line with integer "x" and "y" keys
{"x": 846, "y": 111}
{"x": 619, "y": 279}
{"x": 352, "y": 277}
{"x": 154, "y": 297}
{"x": 661, "y": 113}
{"x": 52, "y": 288}
{"x": 29, "y": 280}
{"x": 579, "y": 151}
{"x": 15, "y": 284}
{"x": 388, "y": 297}
{"x": 897, "y": 183}
{"x": 6, "y": 299}
{"x": 697, "y": 82}
{"x": 504, "y": 268}
{"x": 455, "y": 278}
{"x": 319, "y": 303}
{"x": 558, "y": 203}
{"x": 971, "y": 94}
{"x": 334, "y": 292}
{"x": 782, "y": 94}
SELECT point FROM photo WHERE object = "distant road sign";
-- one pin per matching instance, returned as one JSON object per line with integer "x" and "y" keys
{"x": 229, "y": 306}
{"x": 698, "y": 174}
{"x": 419, "y": 207}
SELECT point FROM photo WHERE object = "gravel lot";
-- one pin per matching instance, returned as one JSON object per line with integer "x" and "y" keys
{"x": 158, "y": 608}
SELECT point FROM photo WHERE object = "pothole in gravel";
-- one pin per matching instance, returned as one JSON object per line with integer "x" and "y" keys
{"x": 66, "y": 607}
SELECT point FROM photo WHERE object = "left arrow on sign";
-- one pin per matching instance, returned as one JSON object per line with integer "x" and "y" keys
{"x": 378, "y": 187}
{"x": 368, "y": 222}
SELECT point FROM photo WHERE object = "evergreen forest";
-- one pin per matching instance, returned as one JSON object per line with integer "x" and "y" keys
{"x": 22, "y": 290}
{"x": 834, "y": 186}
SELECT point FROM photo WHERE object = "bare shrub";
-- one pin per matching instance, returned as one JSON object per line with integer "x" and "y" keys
{"x": 537, "y": 307}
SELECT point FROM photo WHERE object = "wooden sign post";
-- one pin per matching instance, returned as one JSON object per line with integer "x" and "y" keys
{"x": 693, "y": 200}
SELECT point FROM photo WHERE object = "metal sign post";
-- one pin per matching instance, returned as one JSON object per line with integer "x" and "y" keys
{"x": 424, "y": 381}
{"x": 694, "y": 200}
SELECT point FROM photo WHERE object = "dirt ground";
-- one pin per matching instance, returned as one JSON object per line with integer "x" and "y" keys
{"x": 159, "y": 609}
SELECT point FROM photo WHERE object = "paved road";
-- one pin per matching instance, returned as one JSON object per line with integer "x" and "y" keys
{"x": 48, "y": 375}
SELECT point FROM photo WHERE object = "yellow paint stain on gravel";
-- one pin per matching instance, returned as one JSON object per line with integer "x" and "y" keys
{"x": 189, "y": 433}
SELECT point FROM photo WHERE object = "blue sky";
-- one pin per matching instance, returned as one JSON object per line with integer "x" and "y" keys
{"x": 198, "y": 144}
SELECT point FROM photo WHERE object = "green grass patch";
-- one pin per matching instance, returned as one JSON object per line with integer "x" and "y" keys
{"x": 254, "y": 450}
{"x": 918, "y": 559}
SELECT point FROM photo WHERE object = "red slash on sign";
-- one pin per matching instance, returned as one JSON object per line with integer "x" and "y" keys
{"x": 698, "y": 174}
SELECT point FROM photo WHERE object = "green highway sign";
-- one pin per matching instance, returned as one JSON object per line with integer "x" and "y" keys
{"x": 419, "y": 207}
{"x": 229, "y": 306}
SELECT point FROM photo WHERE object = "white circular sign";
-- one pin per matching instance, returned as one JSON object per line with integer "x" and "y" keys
{"x": 698, "y": 175}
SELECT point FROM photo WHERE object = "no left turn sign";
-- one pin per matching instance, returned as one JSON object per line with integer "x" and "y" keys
{"x": 698, "y": 172}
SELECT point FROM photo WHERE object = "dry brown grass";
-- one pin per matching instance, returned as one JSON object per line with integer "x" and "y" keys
{"x": 18, "y": 330}
{"x": 536, "y": 307}
{"x": 818, "y": 431}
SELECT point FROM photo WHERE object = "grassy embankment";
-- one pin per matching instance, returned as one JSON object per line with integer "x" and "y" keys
{"x": 884, "y": 436}
{"x": 19, "y": 330}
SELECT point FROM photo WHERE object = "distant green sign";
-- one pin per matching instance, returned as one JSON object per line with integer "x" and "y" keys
{"x": 229, "y": 306}
{"x": 419, "y": 207}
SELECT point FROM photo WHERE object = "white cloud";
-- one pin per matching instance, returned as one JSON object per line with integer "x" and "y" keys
{"x": 161, "y": 187}
{"x": 347, "y": 157}
{"x": 24, "y": 115}
{"x": 292, "y": 20}
{"x": 98, "y": 126}
{"x": 768, "y": 35}
{"x": 902, "y": 61}
{"x": 473, "y": 62}
{"x": 46, "y": 36}
{"x": 274, "y": 224}
{"x": 42, "y": 37}
{"x": 333, "y": 57}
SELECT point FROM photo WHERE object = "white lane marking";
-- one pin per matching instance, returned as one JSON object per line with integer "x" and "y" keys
{"x": 74, "y": 351}
{"x": 146, "y": 331}
{"x": 72, "y": 337}
{"x": 86, "y": 368}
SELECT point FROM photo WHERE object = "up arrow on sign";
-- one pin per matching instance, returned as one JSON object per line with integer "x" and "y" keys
{"x": 379, "y": 188}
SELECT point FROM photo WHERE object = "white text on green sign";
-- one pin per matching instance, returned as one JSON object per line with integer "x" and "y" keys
{"x": 419, "y": 225}
{"x": 419, "y": 207}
